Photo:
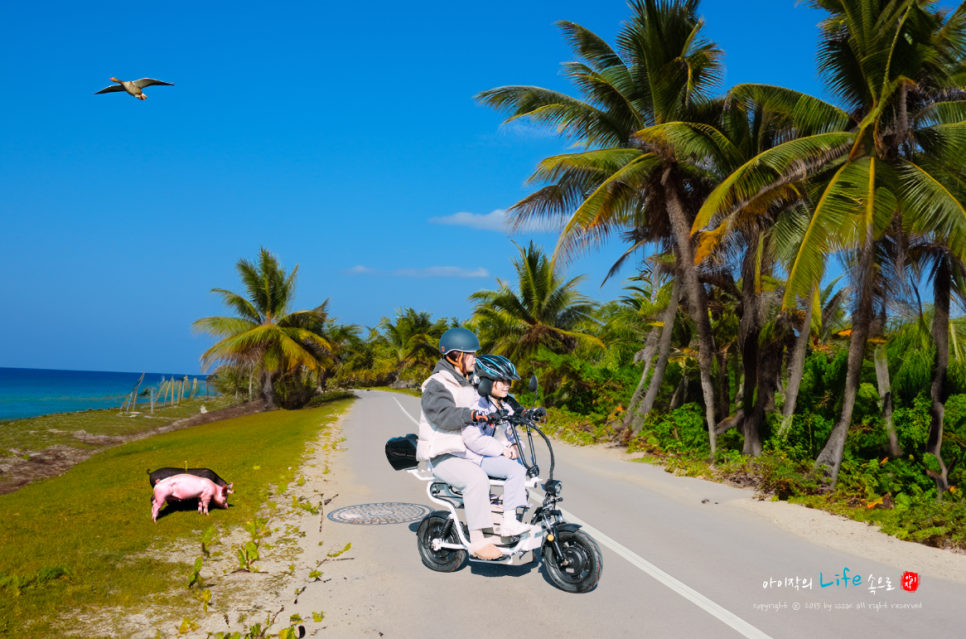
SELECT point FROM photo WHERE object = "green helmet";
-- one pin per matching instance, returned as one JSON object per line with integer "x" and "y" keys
{"x": 458, "y": 339}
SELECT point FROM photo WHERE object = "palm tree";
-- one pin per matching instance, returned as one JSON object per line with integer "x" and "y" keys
{"x": 947, "y": 272}
{"x": 644, "y": 307}
{"x": 663, "y": 71}
{"x": 413, "y": 337}
{"x": 823, "y": 316}
{"x": 889, "y": 159}
{"x": 543, "y": 309}
{"x": 263, "y": 329}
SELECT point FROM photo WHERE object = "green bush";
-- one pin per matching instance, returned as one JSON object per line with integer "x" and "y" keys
{"x": 324, "y": 398}
{"x": 582, "y": 387}
{"x": 912, "y": 423}
{"x": 823, "y": 381}
{"x": 682, "y": 430}
{"x": 580, "y": 430}
{"x": 805, "y": 438}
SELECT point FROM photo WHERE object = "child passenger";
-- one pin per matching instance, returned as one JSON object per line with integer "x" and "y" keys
{"x": 492, "y": 447}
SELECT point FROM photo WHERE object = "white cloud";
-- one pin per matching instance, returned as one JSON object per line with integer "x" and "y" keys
{"x": 497, "y": 221}
{"x": 494, "y": 221}
{"x": 441, "y": 271}
{"x": 359, "y": 270}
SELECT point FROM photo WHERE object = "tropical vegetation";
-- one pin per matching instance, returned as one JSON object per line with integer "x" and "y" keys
{"x": 796, "y": 267}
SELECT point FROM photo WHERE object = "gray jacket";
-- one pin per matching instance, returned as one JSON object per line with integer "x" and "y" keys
{"x": 438, "y": 403}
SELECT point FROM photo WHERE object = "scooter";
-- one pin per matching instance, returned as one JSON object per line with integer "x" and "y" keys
{"x": 571, "y": 556}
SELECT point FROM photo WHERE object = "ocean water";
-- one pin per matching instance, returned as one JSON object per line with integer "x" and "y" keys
{"x": 28, "y": 392}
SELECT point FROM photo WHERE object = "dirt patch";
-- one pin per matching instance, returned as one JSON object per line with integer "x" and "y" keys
{"x": 17, "y": 472}
{"x": 49, "y": 462}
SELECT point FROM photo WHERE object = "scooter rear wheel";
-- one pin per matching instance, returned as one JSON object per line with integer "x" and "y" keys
{"x": 444, "y": 559}
{"x": 585, "y": 563}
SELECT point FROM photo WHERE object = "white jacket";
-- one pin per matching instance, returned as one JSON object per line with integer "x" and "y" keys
{"x": 439, "y": 390}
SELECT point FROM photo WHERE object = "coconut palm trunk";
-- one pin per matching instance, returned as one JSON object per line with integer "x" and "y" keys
{"x": 937, "y": 392}
{"x": 885, "y": 398}
{"x": 268, "y": 389}
{"x": 830, "y": 459}
{"x": 648, "y": 358}
{"x": 663, "y": 354}
{"x": 680, "y": 393}
{"x": 724, "y": 388}
{"x": 697, "y": 297}
{"x": 796, "y": 372}
{"x": 749, "y": 332}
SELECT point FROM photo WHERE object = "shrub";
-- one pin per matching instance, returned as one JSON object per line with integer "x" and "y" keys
{"x": 582, "y": 387}
{"x": 681, "y": 431}
{"x": 912, "y": 423}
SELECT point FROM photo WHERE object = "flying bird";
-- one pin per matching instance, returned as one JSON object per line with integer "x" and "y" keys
{"x": 134, "y": 86}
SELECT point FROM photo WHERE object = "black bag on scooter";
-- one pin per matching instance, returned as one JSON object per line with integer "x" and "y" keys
{"x": 401, "y": 452}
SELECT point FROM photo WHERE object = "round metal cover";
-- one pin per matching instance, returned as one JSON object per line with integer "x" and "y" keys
{"x": 379, "y": 514}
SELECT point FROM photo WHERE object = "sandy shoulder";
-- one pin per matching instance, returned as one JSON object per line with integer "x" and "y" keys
{"x": 856, "y": 538}
{"x": 835, "y": 532}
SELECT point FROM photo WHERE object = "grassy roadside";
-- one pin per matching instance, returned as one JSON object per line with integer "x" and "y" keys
{"x": 893, "y": 494}
{"x": 36, "y": 433}
{"x": 78, "y": 542}
{"x": 415, "y": 392}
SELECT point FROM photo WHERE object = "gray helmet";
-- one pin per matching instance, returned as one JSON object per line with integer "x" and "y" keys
{"x": 458, "y": 339}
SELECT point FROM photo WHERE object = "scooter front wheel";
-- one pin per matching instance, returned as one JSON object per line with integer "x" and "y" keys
{"x": 444, "y": 559}
{"x": 584, "y": 562}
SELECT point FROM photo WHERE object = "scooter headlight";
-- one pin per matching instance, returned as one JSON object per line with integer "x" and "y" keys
{"x": 553, "y": 488}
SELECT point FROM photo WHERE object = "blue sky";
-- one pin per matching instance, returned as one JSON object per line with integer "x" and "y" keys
{"x": 337, "y": 135}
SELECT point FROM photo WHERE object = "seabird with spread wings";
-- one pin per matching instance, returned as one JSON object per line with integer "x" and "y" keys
{"x": 134, "y": 86}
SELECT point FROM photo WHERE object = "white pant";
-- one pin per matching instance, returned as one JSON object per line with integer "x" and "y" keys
{"x": 468, "y": 478}
{"x": 514, "y": 489}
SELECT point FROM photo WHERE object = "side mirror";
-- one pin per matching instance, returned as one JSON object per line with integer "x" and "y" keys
{"x": 533, "y": 384}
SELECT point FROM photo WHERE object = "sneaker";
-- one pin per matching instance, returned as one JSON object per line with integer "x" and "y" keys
{"x": 511, "y": 527}
{"x": 488, "y": 552}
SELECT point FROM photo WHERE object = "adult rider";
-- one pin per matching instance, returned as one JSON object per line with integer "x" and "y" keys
{"x": 448, "y": 398}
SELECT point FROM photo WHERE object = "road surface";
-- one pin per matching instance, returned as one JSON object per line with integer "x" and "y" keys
{"x": 681, "y": 559}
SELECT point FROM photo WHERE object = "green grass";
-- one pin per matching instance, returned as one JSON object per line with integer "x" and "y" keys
{"x": 36, "y": 433}
{"x": 329, "y": 397}
{"x": 79, "y": 542}
{"x": 415, "y": 392}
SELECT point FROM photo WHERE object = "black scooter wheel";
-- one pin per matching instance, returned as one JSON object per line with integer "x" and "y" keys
{"x": 584, "y": 562}
{"x": 444, "y": 559}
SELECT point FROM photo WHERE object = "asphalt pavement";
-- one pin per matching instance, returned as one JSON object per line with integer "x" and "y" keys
{"x": 678, "y": 561}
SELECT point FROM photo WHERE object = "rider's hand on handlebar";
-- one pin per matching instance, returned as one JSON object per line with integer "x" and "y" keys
{"x": 479, "y": 417}
{"x": 537, "y": 413}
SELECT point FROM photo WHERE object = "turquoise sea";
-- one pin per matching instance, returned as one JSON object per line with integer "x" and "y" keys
{"x": 28, "y": 392}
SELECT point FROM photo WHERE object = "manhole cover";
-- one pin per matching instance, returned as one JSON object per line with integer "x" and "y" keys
{"x": 378, "y": 514}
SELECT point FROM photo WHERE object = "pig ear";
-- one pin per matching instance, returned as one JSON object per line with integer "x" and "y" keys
{"x": 230, "y": 491}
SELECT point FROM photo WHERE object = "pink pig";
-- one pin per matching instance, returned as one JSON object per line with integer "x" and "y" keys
{"x": 188, "y": 487}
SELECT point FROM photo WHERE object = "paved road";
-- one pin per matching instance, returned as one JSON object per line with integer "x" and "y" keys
{"x": 673, "y": 566}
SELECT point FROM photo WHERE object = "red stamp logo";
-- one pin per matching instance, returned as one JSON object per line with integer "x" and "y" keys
{"x": 910, "y": 581}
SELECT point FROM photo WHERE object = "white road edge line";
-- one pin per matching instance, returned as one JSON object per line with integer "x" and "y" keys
{"x": 405, "y": 412}
{"x": 692, "y": 595}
